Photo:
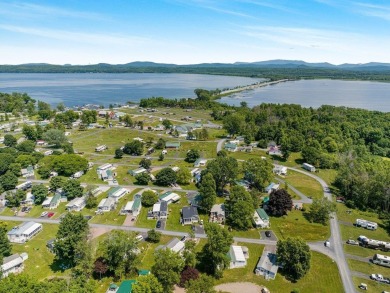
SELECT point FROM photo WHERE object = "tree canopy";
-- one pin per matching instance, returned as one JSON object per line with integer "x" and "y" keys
{"x": 73, "y": 229}
{"x": 294, "y": 254}
{"x": 280, "y": 202}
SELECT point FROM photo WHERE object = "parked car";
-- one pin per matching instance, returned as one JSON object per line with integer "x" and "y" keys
{"x": 44, "y": 214}
{"x": 24, "y": 209}
{"x": 139, "y": 237}
{"x": 268, "y": 233}
{"x": 51, "y": 214}
{"x": 158, "y": 224}
{"x": 363, "y": 286}
{"x": 352, "y": 242}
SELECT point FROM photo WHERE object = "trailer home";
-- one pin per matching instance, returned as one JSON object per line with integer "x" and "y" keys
{"x": 100, "y": 148}
{"x": 308, "y": 167}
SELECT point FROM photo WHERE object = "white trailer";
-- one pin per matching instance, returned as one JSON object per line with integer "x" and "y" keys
{"x": 100, "y": 148}
{"x": 308, "y": 167}
{"x": 24, "y": 186}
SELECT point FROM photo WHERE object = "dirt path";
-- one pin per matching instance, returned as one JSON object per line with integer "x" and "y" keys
{"x": 96, "y": 232}
{"x": 239, "y": 287}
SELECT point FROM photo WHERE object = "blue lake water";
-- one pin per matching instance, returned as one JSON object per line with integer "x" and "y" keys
{"x": 100, "y": 88}
{"x": 314, "y": 93}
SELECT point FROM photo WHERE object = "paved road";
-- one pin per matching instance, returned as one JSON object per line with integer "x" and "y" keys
{"x": 304, "y": 198}
{"x": 135, "y": 229}
{"x": 336, "y": 243}
{"x": 220, "y": 144}
{"x": 125, "y": 186}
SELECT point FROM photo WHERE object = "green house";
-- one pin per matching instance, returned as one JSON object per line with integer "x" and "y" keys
{"x": 143, "y": 272}
{"x": 126, "y": 286}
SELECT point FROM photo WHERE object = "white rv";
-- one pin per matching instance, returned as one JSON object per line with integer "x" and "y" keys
{"x": 381, "y": 260}
{"x": 100, "y": 148}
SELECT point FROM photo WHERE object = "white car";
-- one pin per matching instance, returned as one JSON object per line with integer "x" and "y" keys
{"x": 44, "y": 214}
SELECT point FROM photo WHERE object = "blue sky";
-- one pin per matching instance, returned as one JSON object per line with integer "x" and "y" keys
{"x": 194, "y": 31}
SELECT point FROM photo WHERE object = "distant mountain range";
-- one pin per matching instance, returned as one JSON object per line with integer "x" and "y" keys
{"x": 274, "y": 69}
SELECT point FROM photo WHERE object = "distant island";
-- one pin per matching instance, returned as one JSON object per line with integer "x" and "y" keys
{"x": 273, "y": 69}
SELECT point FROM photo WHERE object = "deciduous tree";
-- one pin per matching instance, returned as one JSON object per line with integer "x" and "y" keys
{"x": 149, "y": 198}
{"x": 320, "y": 210}
{"x": 207, "y": 190}
{"x": 73, "y": 229}
{"x": 295, "y": 256}
{"x": 134, "y": 148}
{"x": 192, "y": 155}
{"x": 166, "y": 177}
{"x": 40, "y": 192}
{"x": 72, "y": 189}
{"x": 214, "y": 254}
{"x": 279, "y": 203}
{"x": 147, "y": 284}
{"x": 167, "y": 268}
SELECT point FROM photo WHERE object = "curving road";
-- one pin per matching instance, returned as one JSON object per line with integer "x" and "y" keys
{"x": 336, "y": 243}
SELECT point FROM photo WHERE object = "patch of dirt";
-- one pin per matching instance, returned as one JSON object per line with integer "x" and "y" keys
{"x": 239, "y": 287}
{"x": 129, "y": 222}
{"x": 96, "y": 232}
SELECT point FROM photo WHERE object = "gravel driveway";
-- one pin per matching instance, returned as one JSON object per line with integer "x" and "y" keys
{"x": 239, "y": 288}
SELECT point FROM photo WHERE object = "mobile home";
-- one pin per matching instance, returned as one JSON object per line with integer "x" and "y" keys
{"x": 308, "y": 167}
{"x": 24, "y": 186}
{"x": 100, "y": 148}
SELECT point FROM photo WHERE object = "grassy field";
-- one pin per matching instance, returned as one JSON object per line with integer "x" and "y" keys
{"x": 368, "y": 268}
{"x": 295, "y": 224}
{"x": 305, "y": 184}
{"x": 350, "y": 232}
{"x": 323, "y": 276}
{"x": 173, "y": 222}
{"x": 354, "y": 214}
{"x": 40, "y": 261}
{"x": 359, "y": 250}
{"x": 373, "y": 286}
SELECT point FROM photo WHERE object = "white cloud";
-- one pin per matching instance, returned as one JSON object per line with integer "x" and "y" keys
{"x": 23, "y": 9}
{"x": 369, "y": 9}
{"x": 79, "y": 37}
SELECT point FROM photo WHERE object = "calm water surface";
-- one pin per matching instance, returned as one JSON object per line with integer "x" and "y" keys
{"x": 314, "y": 93}
{"x": 100, "y": 88}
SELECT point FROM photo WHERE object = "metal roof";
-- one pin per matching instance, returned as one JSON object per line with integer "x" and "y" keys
{"x": 24, "y": 229}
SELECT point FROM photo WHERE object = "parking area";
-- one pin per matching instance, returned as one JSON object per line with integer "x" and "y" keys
{"x": 198, "y": 229}
{"x": 271, "y": 237}
{"x": 163, "y": 224}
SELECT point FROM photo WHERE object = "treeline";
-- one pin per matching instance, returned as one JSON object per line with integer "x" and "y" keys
{"x": 223, "y": 69}
{"x": 364, "y": 181}
{"x": 320, "y": 134}
{"x": 185, "y": 103}
{"x": 16, "y": 102}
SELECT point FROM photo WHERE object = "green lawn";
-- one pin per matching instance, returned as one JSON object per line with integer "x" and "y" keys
{"x": 256, "y": 153}
{"x": 295, "y": 224}
{"x": 142, "y": 220}
{"x": 305, "y": 184}
{"x": 354, "y": 214}
{"x": 323, "y": 276}
{"x": 367, "y": 268}
{"x": 251, "y": 233}
{"x": 39, "y": 262}
{"x": 373, "y": 286}
{"x": 206, "y": 149}
{"x": 351, "y": 232}
{"x": 359, "y": 250}
{"x": 173, "y": 222}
